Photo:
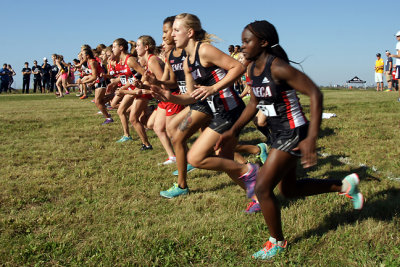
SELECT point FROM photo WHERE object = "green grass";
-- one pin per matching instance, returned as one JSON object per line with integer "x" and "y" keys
{"x": 70, "y": 195}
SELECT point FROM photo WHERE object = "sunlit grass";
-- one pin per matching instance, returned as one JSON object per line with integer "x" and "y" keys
{"x": 70, "y": 195}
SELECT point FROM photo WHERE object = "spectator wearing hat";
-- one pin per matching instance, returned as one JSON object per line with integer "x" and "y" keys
{"x": 379, "y": 64}
{"x": 388, "y": 70}
{"x": 397, "y": 56}
{"x": 37, "y": 79}
{"x": 46, "y": 74}
{"x": 26, "y": 78}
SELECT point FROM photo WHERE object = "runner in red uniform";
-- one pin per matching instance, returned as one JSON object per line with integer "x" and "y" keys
{"x": 126, "y": 67}
{"x": 96, "y": 71}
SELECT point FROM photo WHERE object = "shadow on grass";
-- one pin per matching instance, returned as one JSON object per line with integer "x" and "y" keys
{"x": 364, "y": 172}
{"x": 326, "y": 131}
{"x": 215, "y": 188}
{"x": 381, "y": 206}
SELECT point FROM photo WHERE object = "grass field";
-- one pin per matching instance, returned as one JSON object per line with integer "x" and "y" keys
{"x": 71, "y": 196}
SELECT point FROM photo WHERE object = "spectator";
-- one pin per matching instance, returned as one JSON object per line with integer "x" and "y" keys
{"x": 230, "y": 49}
{"x": 11, "y": 80}
{"x": 397, "y": 56}
{"x": 26, "y": 78}
{"x": 379, "y": 72}
{"x": 37, "y": 79}
{"x": 236, "y": 52}
{"x": 46, "y": 73}
{"x": 4, "y": 78}
{"x": 388, "y": 70}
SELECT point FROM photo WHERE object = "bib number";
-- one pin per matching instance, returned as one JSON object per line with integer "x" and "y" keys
{"x": 267, "y": 110}
{"x": 122, "y": 79}
{"x": 182, "y": 87}
{"x": 131, "y": 80}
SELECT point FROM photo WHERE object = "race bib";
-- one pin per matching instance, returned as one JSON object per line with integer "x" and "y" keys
{"x": 122, "y": 79}
{"x": 267, "y": 110}
{"x": 182, "y": 87}
{"x": 210, "y": 101}
{"x": 131, "y": 80}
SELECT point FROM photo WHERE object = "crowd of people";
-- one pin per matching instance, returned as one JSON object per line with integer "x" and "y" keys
{"x": 48, "y": 78}
{"x": 389, "y": 69}
{"x": 199, "y": 89}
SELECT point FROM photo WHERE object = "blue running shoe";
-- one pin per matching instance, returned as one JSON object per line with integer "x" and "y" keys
{"x": 352, "y": 192}
{"x": 263, "y": 152}
{"x": 249, "y": 179}
{"x": 270, "y": 250}
{"x": 174, "y": 191}
{"x": 189, "y": 168}
{"x": 125, "y": 139}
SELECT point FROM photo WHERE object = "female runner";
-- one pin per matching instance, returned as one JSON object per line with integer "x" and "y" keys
{"x": 274, "y": 86}
{"x": 209, "y": 72}
{"x": 95, "y": 77}
{"x": 62, "y": 75}
{"x": 167, "y": 111}
{"x": 126, "y": 67}
{"x": 145, "y": 47}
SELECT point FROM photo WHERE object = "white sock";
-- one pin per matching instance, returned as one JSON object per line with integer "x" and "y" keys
{"x": 345, "y": 186}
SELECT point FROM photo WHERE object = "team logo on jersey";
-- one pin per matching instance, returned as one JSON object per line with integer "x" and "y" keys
{"x": 265, "y": 80}
{"x": 196, "y": 64}
{"x": 262, "y": 91}
{"x": 171, "y": 61}
{"x": 177, "y": 67}
{"x": 196, "y": 74}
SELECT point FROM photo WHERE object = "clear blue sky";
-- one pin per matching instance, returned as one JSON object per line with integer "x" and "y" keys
{"x": 338, "y": 38}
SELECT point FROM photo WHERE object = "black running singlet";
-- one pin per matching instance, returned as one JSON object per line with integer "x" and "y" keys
{"x": 225, "y": 99}
{"x": 279, "y": 102}
{"x": 177, "y": 67}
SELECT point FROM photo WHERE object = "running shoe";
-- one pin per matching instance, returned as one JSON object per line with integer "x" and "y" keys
{"x": 92, "y": 101}
{"x": 66, "y": 92}
{"x": 144, "y": 147}
{"x": 249, "y": 179}
{"x": 189, "y": 168}
{"x": 352, "y": 192}
{"x": 263, "y": 152}
{"x": 174, "y": 191}
{"x": 253, "y": 207}
{"x": 83, "y": 97}
{"x": 125, "y": 139}
{"x": 79, "y": 94}
{"x": 270, "y": 250}
{"x": 107, "y": 121}
{"x": 170, "y": 160}
{"x": 59, "y": 96}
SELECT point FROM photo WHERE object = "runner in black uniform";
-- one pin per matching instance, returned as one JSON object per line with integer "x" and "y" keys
{"x": 274, "y": 86}
{"x": 174, "y": 78}
{"x": 209, "y": 74}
